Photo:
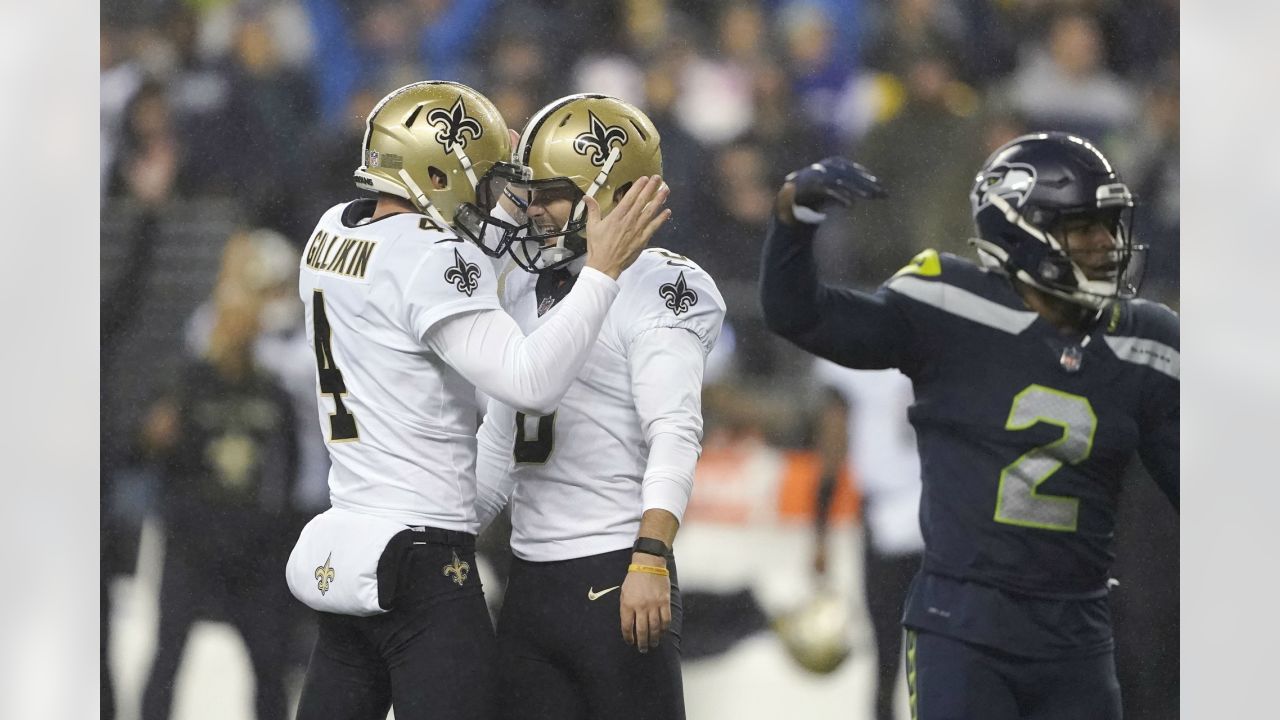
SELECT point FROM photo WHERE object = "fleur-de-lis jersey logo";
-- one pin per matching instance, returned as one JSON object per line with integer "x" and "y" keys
{"x": 599, "y": 140}
{"x": 454, "y": 126}
{"x": 679, "y": 296}
{"x": 464, "y": 275}
{"x": 457, "y": 569}
{"x": 324, "y": 575}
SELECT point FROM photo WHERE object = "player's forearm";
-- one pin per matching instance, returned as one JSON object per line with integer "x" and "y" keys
{"x": 530, "y": 373}
{"x": 658, "y": 525}
{"x": 852, "y": 328}
{"x": 666, "y": 366}
{"x": 789, "y": 279}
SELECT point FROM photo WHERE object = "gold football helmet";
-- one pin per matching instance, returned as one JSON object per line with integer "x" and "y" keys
{"x": 573, "y": 147}
{"x": 816, "y": 634}
{"x": 438, "y": 145}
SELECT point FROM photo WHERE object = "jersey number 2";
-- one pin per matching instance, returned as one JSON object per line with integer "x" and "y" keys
{"x": 1017, "y": 502}
{"x": 342, "y": 424}
{"x": 534, "y": 447}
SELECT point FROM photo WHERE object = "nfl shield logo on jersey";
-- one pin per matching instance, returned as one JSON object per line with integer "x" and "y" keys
{"x": 1072, "y": 358}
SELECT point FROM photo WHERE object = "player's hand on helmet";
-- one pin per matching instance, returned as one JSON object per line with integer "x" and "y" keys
{"x": 645, "y": 605}
{"x": 808, "y": 192}
{"x": 615, "y": 241}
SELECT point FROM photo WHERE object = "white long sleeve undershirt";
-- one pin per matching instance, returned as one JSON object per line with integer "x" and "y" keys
{"x": 530, "y": 373}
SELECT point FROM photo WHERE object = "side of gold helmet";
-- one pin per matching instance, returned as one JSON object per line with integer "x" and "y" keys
{"x": 580, "y": 145}
{"x": 432, "y": 143}
{"x": 598, "y": 142}
{"x": 816, "y": 634}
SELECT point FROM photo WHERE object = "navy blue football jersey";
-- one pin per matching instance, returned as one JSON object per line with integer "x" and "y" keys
{"x": 1024, "y": 434}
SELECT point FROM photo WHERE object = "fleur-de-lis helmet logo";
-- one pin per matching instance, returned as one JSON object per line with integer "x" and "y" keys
{"x": 464, "y": 275}
{"x": 679, "y": 296}
{"x": 324, "y": 575}
{"x": 454, "y": 126}
{"x": 597, "y": 141}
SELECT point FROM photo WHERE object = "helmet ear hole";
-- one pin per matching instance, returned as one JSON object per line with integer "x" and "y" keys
{"x": 439, "y": 180}
{"x": 621, "y": 192}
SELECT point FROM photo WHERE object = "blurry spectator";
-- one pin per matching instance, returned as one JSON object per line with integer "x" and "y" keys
{"x": 783, "y": 134}
{"x": 818, "y": 74}
{"x": 325, "y": 174}
{"x": 119, "y": 308}
{"x": 863, "y": 422}
{"x": 1156, "y": 180}
{"x": 118, "y": 81}
{"x": 716, "y": 96}
{"x": 925, "y": 156}
{"x": 1063, "y": 84}
{"x": 224, "y": 438}
{"x": 684, "y": 159}
{"x": 198, "y": 90}
{"x": 272, "y": 104}
{"x": 390, "y": 42}
{"x": 149, "y": 163}
{"x": 265, "y": 264}
{"x": 911, "y": 28}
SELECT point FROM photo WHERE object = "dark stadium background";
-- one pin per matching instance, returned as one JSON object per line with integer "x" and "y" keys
{"x": 220, "y": 116}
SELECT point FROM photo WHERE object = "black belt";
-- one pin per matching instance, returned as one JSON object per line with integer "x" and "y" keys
{"x": 440, "y": 536}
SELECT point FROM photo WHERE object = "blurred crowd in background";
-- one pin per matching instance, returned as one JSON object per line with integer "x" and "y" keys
{"x": 229, "y": 126}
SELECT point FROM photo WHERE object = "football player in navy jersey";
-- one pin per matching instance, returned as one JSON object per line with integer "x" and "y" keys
{"x": 1037, "y": 376}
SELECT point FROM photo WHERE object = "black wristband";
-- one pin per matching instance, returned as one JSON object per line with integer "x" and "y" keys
{"x": 651, "y": 546}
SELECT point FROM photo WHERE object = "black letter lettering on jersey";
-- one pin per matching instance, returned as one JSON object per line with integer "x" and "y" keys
{"x": 342, "y": 424}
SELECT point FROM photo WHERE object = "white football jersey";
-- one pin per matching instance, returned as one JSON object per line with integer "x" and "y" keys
{"x": 578, "y": 472}
{"x": 399, "y": 422}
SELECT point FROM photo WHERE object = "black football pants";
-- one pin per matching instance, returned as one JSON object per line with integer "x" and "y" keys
{"x": 430, "y": 656}
{"x": 953, "y": 680}
{"x": 562, "y": 655}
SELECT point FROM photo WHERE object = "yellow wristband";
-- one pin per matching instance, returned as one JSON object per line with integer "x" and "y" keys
{"x": 651, "y": 569}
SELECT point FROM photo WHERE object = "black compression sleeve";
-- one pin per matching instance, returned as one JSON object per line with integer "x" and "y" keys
{"x": 845, "y": 326}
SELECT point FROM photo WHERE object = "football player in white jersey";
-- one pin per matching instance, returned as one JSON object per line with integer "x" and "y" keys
{"x": 406, "y": 325}
{"x": 598, "y": 486}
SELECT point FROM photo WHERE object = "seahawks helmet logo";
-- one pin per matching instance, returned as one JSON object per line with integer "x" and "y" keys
{"x": 599, "y": 140}
{"x": 1013, "y": 182}
{"x": 464, "y": 275}
{"x": 454, "y": 126}
{"x": 679, "y": 297}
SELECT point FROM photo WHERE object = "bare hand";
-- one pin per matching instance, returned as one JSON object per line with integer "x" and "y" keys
{"x": 614, "y": 242}
{"x": 645, "y": 605}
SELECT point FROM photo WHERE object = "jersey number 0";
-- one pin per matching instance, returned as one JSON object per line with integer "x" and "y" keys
{"x": 342, "y": 424}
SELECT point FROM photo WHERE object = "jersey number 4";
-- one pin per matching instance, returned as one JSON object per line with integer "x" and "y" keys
{"x": 1017, "y": 502}
{"x": 342, "y": 424}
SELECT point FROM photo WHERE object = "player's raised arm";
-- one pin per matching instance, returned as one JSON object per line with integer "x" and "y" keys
{"x": 845, "y": 326}
{"x": 532, "y": 373}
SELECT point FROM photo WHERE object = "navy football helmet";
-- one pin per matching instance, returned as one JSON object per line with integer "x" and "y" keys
{"x": 1036, "y": 193}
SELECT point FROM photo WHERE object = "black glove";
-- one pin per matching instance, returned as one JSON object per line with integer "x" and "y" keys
{"x": 835, "y": 178}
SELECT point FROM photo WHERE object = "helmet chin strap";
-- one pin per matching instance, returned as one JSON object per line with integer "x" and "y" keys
{"x": 558, "y": 252}
{"x": 467, "y": 166}
{"x": 421, "y": 199}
